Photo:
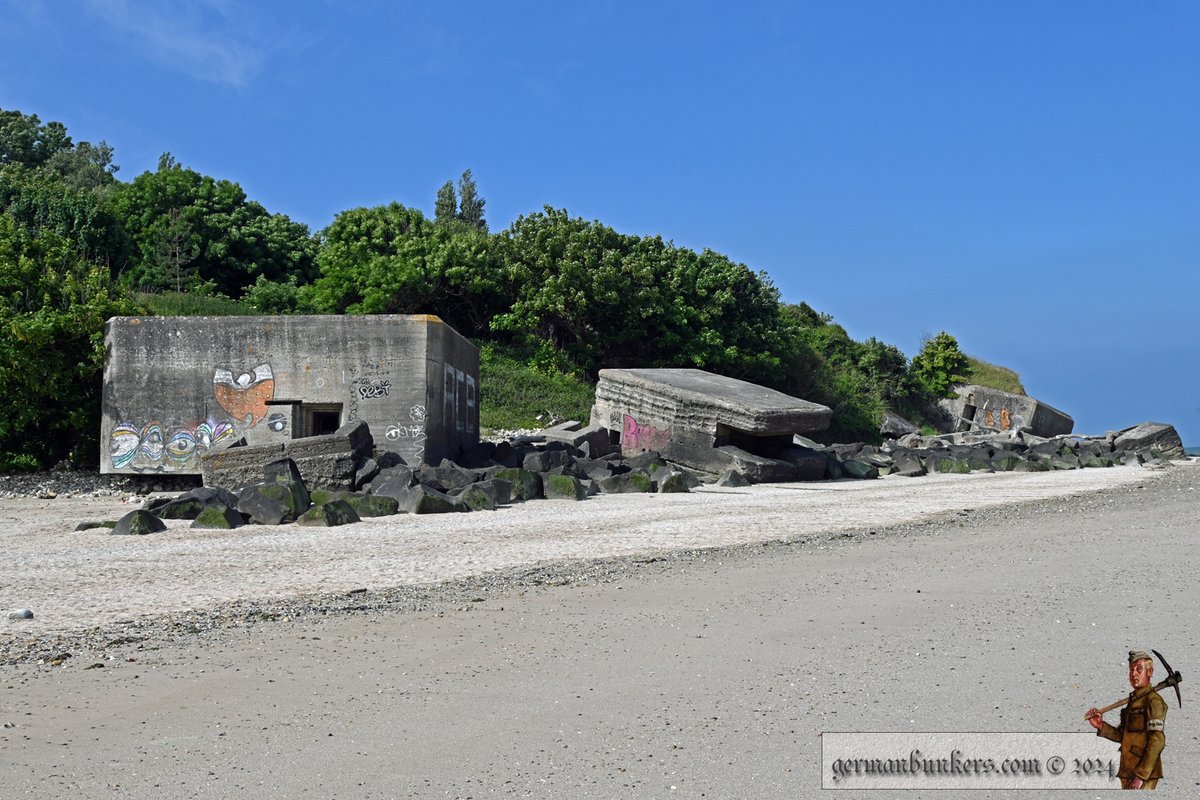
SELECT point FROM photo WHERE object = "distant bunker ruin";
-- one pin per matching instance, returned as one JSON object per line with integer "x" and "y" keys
{"x": 177, "y": 388}
{"x": 708, "y": 422}
{"x": 986, "y": 410}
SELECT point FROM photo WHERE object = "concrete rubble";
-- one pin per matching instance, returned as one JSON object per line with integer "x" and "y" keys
{"x": 705, "y": 421}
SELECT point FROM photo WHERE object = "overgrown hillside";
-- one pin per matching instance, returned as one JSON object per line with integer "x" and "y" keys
{"x": 551, "y": 299}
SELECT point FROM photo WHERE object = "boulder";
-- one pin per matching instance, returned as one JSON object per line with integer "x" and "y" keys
{"x": 860, "y": 469}
{"x": 810, "y": 464}
{"x": 328, "y": 515}
{"x": 732, "y": 478}
{"x": 673, "y": 482}
{"x": 563, "y": 487}
{"x": 545, "y": 460}
{"x": 365, "y": 505}
{"x": 189, "y": 504}
{"x": 632, "y": 482}
{"x": 1157, "y": 437}
{"x": 894, "y": 426}
{"x": 220, "y": 517}
{"x": 526, "y": 485}
{"x": 273, "y": 503}
{"x": 420, "y": 499}
{"x": 138, "y": 523}
{"x": 366, "y": 473}
{"x": 479, "y": 496}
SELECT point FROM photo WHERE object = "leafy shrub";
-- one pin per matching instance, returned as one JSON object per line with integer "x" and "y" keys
{"x": 513, "y": 392}
{"x": 940, "y": 364}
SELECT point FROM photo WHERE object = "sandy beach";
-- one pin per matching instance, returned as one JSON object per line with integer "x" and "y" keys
{"x": 651, "y": 646}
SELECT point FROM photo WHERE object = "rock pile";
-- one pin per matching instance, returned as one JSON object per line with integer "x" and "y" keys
{"x": 573, "y": 463}
{"x": 488, "y": 475}
{"x": 911, "y": 455}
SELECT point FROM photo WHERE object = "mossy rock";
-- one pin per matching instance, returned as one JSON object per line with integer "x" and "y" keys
{"x": 564, "y": 487}
{"x": 333, "y": 513}
{"x": 526, "y": 485}
{"x": 138, "y": 523}
{"x": 219, "y": 518}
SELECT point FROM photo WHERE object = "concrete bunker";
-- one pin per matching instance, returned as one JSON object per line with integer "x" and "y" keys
{"x": 986, "y": 410}
{"x": 177, "y": 388}
{"x": 706, "y": 421}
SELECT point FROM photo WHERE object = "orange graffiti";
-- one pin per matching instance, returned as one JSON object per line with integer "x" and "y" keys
{"x": 245, "y": 397}
{"x": 1005, "y": 419}
{"x": 989, "y": 419}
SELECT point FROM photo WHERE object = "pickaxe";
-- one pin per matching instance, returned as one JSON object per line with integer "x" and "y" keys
{"x": 1173, "y": 679}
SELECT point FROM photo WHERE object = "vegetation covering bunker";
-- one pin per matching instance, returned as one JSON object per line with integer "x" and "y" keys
{"x": 706, "y": 421}
{"x": 176, "y": 388}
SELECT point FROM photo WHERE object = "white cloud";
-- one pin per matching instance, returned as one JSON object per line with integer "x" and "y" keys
{"x": 202, "y": 38}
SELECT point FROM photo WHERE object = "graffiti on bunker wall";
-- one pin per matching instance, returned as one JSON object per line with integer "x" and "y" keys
{"x": 374, "y": 389}
{"x": 245, "y": 396}
{"x": 408, "y": 439}
{"x": 637, "y": 437}
{"x": 152, "y": 446}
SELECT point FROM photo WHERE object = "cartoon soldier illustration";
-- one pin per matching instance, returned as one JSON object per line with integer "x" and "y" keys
{"x": 1143, "y": 721}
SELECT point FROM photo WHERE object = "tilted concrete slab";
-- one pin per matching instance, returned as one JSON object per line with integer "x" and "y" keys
{"x": 702, "y": 420}
{"x": 176, "y": 388}
{"x": 981, "y": 408}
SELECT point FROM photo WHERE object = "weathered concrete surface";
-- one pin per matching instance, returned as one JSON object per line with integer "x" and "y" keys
{"x": 176, "y": 388}
{"x": 981, "y": 408}
{"x": 329, "y": 461}
{"x": 1153, "y": 436}
{"x": 705, "y": 421}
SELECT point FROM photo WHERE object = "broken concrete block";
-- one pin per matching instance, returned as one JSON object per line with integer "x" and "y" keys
{"x": 692, "y": 417}
{"x": 1154, "y": 436}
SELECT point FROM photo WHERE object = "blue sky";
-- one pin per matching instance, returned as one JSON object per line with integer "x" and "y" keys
{"x": 1022, "y": 175}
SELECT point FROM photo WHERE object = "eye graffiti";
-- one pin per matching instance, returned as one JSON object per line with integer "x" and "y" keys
{"x": 245, "y": 396}
{"x": 277, "y": 423}
{"x": 150, "y": 444}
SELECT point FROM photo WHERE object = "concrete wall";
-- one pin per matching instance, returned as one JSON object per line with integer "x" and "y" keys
{"x": 983, "y": 408}
{"x": 176, "y": 387}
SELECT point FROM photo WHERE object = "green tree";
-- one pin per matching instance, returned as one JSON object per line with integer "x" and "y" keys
{"x": 445, "y": 209}
{"x": 53, "y": 306}
{"x": 940, "y": 364}
{"x": 610, "y": 300}
{"x": 25, "y": 140}
{"x": 392, "y": 260}
{"x": 235, "y": 239}
{"x": 470, "y": 204}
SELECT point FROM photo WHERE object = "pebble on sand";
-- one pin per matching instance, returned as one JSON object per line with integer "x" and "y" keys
{"x": 19, "y": 614}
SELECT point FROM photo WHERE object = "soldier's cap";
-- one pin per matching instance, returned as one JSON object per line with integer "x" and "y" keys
{"x": 1138, "y": 655}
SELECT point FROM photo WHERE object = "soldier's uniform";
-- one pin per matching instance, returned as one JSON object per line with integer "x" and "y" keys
{"x": 1141, "y": 735}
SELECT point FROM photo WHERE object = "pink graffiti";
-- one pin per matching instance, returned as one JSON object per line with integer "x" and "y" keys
{"x": 636, "y": 437}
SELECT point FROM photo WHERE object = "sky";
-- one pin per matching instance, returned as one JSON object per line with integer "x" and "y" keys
{"x": 1022, "y": 175}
